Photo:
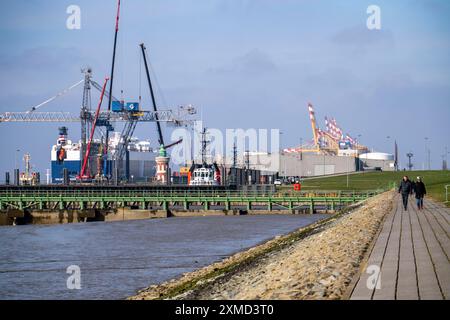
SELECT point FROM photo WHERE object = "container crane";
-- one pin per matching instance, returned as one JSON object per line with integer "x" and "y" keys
{"x": 324, "y": 141}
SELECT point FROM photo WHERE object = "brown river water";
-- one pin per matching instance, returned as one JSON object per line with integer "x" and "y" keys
{"x": 116, "y": 259}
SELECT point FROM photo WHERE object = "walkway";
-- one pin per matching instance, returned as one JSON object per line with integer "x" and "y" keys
{"x": 412, "y": 250}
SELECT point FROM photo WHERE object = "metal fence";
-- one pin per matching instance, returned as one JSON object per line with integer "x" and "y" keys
{"x": 112, "y": 193}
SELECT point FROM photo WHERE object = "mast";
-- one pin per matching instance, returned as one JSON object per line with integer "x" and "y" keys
{"x": 204, "y": 146}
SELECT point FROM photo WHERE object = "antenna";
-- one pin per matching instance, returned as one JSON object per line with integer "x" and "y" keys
{"x": 204, "y": 145}
{"x": 234, "y": 155}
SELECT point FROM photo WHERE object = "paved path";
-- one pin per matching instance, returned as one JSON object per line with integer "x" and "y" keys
{"x": 412, "y": 252}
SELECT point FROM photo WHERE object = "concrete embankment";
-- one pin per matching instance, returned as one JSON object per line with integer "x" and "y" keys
{"x": 20, "y": 217}
{"x": 316, "y": 262}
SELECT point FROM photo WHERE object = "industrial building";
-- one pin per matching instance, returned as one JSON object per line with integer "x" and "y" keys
{"x": 309, "y": 164}
{"x": 329, "y": 152}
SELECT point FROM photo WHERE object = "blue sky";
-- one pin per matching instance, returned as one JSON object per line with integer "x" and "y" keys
{"x": 245, "y": 63}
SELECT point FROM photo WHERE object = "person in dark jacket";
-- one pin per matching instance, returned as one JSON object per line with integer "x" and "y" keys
{"x": 420, "y": 191}
{"x": 405, "y": 189}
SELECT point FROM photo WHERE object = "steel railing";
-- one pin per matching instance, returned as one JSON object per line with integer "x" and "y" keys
{"x": 10, "y": 193}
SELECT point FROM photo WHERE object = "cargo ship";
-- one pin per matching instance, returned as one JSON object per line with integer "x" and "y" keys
{"x": 66, "y": 154}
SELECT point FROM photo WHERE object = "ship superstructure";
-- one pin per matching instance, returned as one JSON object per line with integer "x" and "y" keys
{"x": 66, "y": 154}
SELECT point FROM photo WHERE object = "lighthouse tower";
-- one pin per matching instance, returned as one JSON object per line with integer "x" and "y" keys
{"x": 162, "y": 166}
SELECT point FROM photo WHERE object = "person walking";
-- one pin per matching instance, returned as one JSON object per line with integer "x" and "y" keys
{"x": 420, "y": 191}
{"x": 405, "y": 189}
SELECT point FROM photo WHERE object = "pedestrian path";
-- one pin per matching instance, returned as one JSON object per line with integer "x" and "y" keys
{"x": 410, "y": 257}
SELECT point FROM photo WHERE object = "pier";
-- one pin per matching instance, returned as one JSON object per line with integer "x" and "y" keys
{"x": 412, "y": 253}
{"x": 83, "y": 204}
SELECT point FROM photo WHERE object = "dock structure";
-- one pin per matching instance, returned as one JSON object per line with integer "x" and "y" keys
{"x": 410, "y": 257}
{"x": 19, "y": 200}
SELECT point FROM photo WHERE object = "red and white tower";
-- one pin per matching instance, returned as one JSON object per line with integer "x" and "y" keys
{"x": 162, "y": 166}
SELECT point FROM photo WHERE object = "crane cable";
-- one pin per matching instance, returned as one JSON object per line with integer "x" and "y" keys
{"x": 56, "y": 96}
{"x": 140, "y": 77}
{"x": 121, "y": 59}
{"x": 158, "y": 87}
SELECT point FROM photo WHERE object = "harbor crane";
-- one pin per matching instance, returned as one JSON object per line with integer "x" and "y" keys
{"x": 106, "y": 118}
{"x": 328, "y": 141}
{"x": 83, "y": 174}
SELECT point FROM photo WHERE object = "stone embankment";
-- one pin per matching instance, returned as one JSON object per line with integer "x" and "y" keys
{"x": 316, "y": 262}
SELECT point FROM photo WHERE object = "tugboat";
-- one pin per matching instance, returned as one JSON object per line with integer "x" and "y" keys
{"x": 204, "y": 175}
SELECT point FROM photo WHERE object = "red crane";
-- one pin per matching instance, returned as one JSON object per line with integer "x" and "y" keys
{"x": 83, "y": 174}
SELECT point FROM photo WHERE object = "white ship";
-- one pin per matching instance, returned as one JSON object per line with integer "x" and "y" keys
{"x": 204, "y": 175}
{"x": 66, "y": 154}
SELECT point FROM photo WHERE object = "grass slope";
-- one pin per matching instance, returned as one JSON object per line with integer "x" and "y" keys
{"x": 435, "y": 181}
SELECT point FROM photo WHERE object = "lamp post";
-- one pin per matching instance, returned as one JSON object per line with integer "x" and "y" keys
{"x": 446, "y": 156}
{"x": 444, "y": 159}
{"x": 301, "y": 159}
{"x": 347, "y": 169}
{"x": 324, "y": 163}
{"x": 282, "y": 159}
{"x": 15, "y": 158}
{"x": 388, "y": 138}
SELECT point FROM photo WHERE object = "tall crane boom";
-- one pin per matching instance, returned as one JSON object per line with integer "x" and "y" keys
{"x": 111, "y": 84}
{"x": 158, "y": 125}
{"x": 312, "y": 118}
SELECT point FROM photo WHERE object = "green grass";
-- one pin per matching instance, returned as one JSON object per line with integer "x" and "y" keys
{"x": 434, "y": 180}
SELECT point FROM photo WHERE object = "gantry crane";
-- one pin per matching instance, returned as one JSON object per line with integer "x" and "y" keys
{"x": 324, "y": 141}
{"x": 179, "y": 117}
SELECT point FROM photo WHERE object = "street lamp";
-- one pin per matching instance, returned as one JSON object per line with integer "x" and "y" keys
{"x": 357, "y": 140}
{"x": 15, "y": 158}
{"x": 444, "y": 159}
{"x": 348, "y": 156}
{"x": 301, "y": 159}
{"x": 324, "y": 163}
{"x": 281, "y": 154}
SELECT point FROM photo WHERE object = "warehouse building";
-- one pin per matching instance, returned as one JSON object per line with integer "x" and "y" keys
{"x": 312, "y": 164}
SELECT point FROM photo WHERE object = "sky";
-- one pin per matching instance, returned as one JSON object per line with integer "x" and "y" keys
{"x": 242, "y": 63}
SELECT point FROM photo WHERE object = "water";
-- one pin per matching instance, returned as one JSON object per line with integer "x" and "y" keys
{"x": 118, "y": 258}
